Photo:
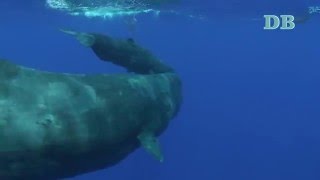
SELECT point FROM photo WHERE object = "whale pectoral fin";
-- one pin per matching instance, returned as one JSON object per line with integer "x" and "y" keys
{"x": 151, "y": 144}
{"x": 85, "y": 39}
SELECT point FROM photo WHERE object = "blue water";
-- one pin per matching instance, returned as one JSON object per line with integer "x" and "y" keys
{"x": 251, "y": 106}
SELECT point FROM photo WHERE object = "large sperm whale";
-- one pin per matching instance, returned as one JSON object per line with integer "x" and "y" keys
{"x": 55, "y": 126}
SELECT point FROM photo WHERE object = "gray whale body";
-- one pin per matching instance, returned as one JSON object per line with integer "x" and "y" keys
{"x": 55, "y": 125}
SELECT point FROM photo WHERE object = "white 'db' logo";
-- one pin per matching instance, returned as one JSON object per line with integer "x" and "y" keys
{"x": 287, "y": 22}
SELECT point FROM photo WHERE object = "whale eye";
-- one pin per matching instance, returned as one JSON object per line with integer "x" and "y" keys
{"x": 130, "y": 40}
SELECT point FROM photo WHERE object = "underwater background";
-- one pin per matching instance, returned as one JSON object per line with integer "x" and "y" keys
{"x": 251, "y": 106}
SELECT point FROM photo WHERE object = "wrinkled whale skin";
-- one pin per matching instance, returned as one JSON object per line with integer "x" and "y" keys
{"x": 60, "y": 125}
